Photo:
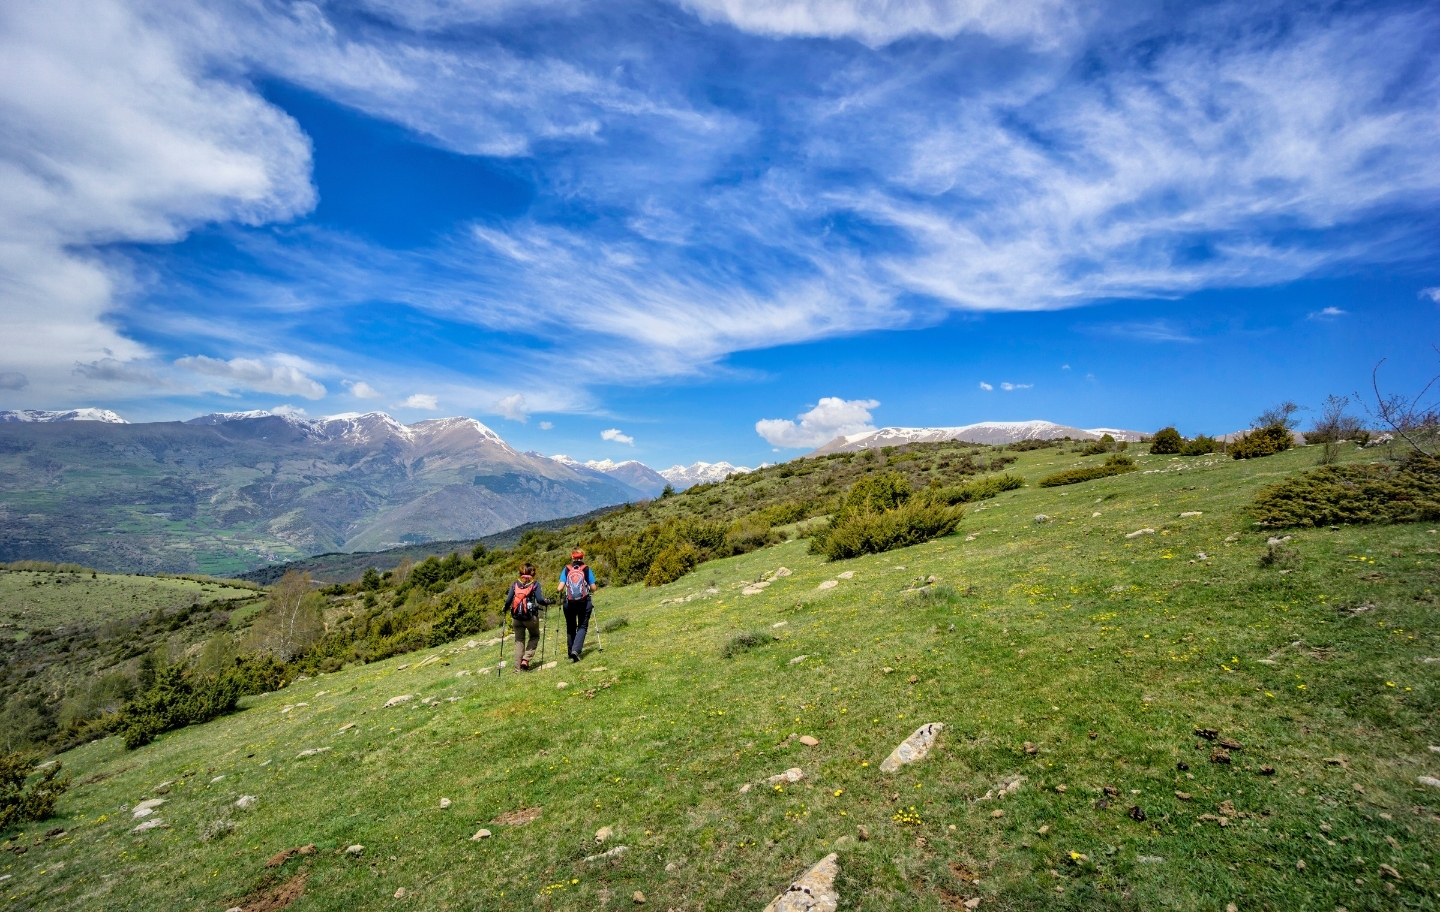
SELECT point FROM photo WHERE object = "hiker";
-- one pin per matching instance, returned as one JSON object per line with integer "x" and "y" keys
{"x": 577, "y": 583}
{"x": 524, "y": 601}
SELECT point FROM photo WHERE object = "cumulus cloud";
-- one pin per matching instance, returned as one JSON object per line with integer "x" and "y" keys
{"x": 615, "y": 436}
{"x": 513, "y": 407}
{"x": 422, "y": 401}
{"x": 1327, "y": 313}
{"x": 547, "y": 425}
{"x": 13, "y": 380}
{"x": 1007, "y": 387}
{"x": 362, "y": 390}
{"x": 284, "y": 375}
{"x": 1431, "y": 293}
{"x": 830, "y": 418}
{"x": 288, "y": 410}
{"x": 985, "y": 386}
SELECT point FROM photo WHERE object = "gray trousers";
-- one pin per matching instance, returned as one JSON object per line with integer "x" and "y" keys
{"x": 524, "y": 651}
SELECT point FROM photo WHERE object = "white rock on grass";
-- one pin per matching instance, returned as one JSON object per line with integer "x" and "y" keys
{"x": 798, "y": 659}
{"x": 151, "y": 824}
{"x": 604, "y": 833}
{"x": 751, "y": 590}
{"x": 780, "y": 624}
{"x": 828, "y": 584}
{"x": 482, "y": 834}
{"x": 783, "y": 571}
{"x": 913, "y": 748}
{"x": 848, "y": 574}
{"x": 464, "y": 672}
{"x": 217, "y": 778}
{"x": 611, "y": 855}
{"x": 396, "y": 701}
{"x": 355, "y": 850}
{"x": 813, "y": 891}
{"x": 1189, "y": 513}
{"x": 792, "y": 775}
{"x": 1430, "y": 781}
{"x": 311, "y": 752}
{"x": 430, "y": 661}
{"x": 1139, "y": 532}
{"x": 561, "y": 685}
{"x": 444, "y": 803}
{"x": 146, "y": 807}
{"x": 246, "y": 802}
{"x": 1041, "y": 518}
{"x": 547, "y": 665}
{"x": 347, "y": 726}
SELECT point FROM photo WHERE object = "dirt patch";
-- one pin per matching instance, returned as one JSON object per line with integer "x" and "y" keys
{"x": 272, "y": 898}
{"x": 284, "y": 855}
{"x": 517, "y": 818}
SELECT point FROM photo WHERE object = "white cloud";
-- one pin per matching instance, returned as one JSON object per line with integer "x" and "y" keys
{"x": 985, "y": 386}
{"x": 513, "y": 407}
{"x": 1431, "y": 293}
{"x": 288, "y": 410}
{"x": 1142, "y": 331}
{"x": 615, "y": 436}
{"x": 830, "y": 418}
{"x": 362, "y": 390}
{"x": 117, "y": 134}
{"x": 546, "y": 425}
{"x": 286, "y": 377}
{"x": 878, "y": 22}
{"x": 422, "y": 401}
{"x": 1064, "y": 367}
{"x": 1007, "y": 387}
{"x": 1328, "y": 313}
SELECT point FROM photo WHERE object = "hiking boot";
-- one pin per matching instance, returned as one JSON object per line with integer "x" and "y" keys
{"x": 524, "y": 664}
{"x": 574, "y": 657}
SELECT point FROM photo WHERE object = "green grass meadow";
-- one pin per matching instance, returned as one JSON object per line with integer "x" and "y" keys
{"x": 1104, "y": 653}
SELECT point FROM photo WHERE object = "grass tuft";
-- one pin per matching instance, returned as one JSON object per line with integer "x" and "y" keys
{"x": 744, "y": 641}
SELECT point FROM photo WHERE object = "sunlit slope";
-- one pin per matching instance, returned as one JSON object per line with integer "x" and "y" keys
{"x": 1104, "y": 652}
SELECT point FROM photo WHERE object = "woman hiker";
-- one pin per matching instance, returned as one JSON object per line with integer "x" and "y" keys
{"x": 577, "y": 583}
{"x": 524, "y": 601}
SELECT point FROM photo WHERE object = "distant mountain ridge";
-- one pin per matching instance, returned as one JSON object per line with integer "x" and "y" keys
{"x": 991, "y": 433}
{"x": 632, "y": 472}
{"x": 44, "y": 416}
{"x": 682, "y": 477}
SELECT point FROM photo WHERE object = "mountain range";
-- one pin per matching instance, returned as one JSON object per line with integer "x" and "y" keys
{"x": 991, "y": 433}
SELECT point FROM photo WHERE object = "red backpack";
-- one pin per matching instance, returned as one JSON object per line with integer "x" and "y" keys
{"x": 522, "y": 608}
{"x": 577, "y": 582}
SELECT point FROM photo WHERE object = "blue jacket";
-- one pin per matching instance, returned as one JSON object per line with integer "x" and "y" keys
{"x": 589, "y": 577}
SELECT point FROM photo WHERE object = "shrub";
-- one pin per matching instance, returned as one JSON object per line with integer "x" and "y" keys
{"x": 745, "y": 641}
{"x": 1115, "y": 465}
{"x": 915, "y": 521}
{"x": 1353, "y": 494}
{"x": 614, "y": 624}
{"x": 1279, "y": 554}
{"x": 673, "y": 562}
{"x": 1266, "y": 441}
{"x": 1105, "y": 444}
{"x": 1166, "y": 442}
{"x": 983, "y": 489}
{"x": 17, "y": 804}
{"x": 176, "y": 700}
{"x": 1201, "y": 446}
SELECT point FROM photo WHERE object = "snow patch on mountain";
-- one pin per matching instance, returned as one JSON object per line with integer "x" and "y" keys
{"x": 986, "y": 432}
{"x": 81, "y": 414}
{"x": 682, "y": 477}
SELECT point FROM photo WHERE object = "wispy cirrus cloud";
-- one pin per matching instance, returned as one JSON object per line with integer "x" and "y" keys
{"x": 283, "y": 374}
{"x": 1141, "y": 331}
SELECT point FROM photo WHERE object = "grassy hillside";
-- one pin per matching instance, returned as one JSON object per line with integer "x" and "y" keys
{"x": 1059, "y": 653}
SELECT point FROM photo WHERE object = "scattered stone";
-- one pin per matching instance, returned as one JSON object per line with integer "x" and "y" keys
{"x": 150, "y": 824}
{"x": 1223, "y": 821}
{"x": 1231, "y": 744}
{"x": 972, "y": 903}
{"x": 886, "y": 670}
{"x": 1031, "y": 748}
{"x": 813, "y": 891}
{"x": 217, "y": 779}
{"x": 1139, "y": 532}
{"x": 844, "y": 840}
{"x": 1136, "y": 812}
{"x": 751, "y": 590}
{"x": 518, "y": 818}
{"x": 848, "y": 574}
{"x": 463, "y": 673}
{"x": 604, "y": 833}
{"x": 808, "y": 741}
{"x": 246, "y": 802}
{"x": 862, "y": 833}
{"x": 794, "y": 774}
{"x": 482, "y": 834}
{"x": 1189, "y": 513}
{"x": 828, "y": 584}
{"x": 1267, "y": 770}
{"x": 548, "y": 665}
{"x": 430, "y": 661}
{"x": 1299, "y": 865}
{"x": 798, "y": 659}
{"x": 914, "y": 679}
{"x": 913, "y": 748}
{"x": 744, "y": 788}
{"x": 444, "y": 803}
{"x": 1227, "y": 809}
{"x": 997, "y": 813}
{"x": 1183, "y": 796}
{"x": 561, "y": 685}
{"x": 347, "y": 726}
{"x": 1041, "y": 518}
{"x": 783, "y": 571}
{"x": 311, "y": 752}
{"x": 396, "y": 701}
{"x": 402, "y": 667}
{"x": 284, "y": 855}
{"x": 1061, "y": 789}
{"x": 400, "y": 893}
{"x": 1430, "y": 781}
{"x": 780, "y": 624}
{"x": 355, "y": 850}
{"x": 1209, "y": 734}
{"x": 1149, "y": 859}
{"x": 146, "y": 807}
{"x": 1219, "y": 755}
{"x": 610, "y": 855}
{"x": 639, "y": 898}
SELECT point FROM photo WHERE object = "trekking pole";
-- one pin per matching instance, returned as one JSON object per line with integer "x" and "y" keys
{"x": 599, "y": 647}
{"x": 499, "y": 672}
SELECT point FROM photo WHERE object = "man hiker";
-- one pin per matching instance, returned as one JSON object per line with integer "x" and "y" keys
{"x": 577, "y": 583}
{"x": 524, "y": 602}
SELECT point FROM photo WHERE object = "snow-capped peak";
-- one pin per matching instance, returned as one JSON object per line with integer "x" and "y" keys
{"x": 599, "y": 465}
{"x": 683, "y": 477}
{"x": 104, "y": 416}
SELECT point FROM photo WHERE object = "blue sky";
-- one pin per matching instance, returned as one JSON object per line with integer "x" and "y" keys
{"x": 675, "y": 220}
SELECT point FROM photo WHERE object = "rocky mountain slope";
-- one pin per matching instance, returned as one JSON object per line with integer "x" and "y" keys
{"x": 632, "y": 472}
{"x": 227, "y": 493}
{"x": 682, "y": 477}
{"x": 991, "y": 433}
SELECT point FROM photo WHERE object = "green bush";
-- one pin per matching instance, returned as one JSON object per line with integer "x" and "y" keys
{"x": 615, "y": 624}
{"x": 1353, "y": 494}
{"x": 1166, "y": 442}
{"x": 1105, "y": 444}
{"x": 18, "y": 804}
{"x": 1266, "y": 441}
{"x": 914, "y": 521}
{"x": 1201, "y": 446}
{"x": 176, "y": 700}
{"x": 745, "y": 641}
{"x": 984, "y": 489}
{"x": 673, "y": 562}
{"x": 1115, "y": 465}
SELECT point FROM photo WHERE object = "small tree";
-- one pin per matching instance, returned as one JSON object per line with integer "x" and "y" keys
{"x": 1333, "y": 428}
{"x": 17, "y": 804}
{"x": 1282, "y": 415}
{"x": 1166, "y": 442}
{"x": 291, "y": 621}
{"x": 1414, "y": 419}
{"x": 667, "y": 491}
{"x": 371, "y": 580}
